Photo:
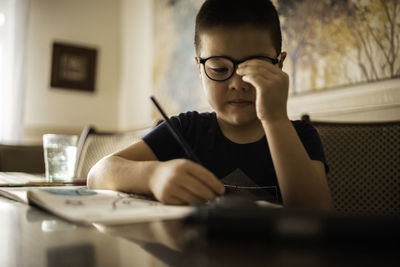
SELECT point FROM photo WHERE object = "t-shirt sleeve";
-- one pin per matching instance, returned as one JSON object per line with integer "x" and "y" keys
{"x": 162, "y": 143}
{"x": 311, "y": 141}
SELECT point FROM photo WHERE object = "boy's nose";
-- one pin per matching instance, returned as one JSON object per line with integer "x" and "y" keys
{"x": 236, "y": 83}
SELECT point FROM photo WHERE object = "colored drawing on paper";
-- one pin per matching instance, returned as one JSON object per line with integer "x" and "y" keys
{"x": 131, "y": 201}
{"x": 73, "y": 193}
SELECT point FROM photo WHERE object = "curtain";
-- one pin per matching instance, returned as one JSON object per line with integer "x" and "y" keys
{"x": 13, "y": 38}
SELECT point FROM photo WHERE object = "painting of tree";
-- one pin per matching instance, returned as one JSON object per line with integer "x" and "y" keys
{"x": 333, "y": 43}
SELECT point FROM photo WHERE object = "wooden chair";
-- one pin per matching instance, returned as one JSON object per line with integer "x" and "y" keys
{"x": 93, "y": 146}
{"x": 22, "y": 158}
{"x": 364, "y": 162}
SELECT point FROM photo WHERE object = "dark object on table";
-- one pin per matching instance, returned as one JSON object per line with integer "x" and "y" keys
{"x": 294, "y": 227}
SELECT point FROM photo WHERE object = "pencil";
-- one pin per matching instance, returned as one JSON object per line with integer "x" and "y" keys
{"x": 179, "y": 138}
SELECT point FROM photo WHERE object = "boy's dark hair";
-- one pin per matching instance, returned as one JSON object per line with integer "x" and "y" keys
{"x": 231, "y": 13}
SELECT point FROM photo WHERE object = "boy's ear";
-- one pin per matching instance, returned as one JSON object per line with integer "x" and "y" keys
{"x": 198, "y": 64}
{"x": 282, "y": 58}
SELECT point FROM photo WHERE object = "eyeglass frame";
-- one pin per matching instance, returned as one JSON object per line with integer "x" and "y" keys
{"x": 236, "y": 63}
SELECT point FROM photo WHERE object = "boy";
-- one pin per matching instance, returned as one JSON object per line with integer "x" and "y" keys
{"x": 248, "y": 142}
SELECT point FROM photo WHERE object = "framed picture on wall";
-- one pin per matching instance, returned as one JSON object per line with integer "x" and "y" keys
{"x": 73, "y": 67}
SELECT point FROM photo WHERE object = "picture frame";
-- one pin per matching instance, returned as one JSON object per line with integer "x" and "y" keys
{"x": 73, "y": 67}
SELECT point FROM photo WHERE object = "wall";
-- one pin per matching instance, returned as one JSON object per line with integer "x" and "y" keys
{"x": 136, "y": 64}
{"x": 88, "y": 22}
{"x": 376, "y": 101}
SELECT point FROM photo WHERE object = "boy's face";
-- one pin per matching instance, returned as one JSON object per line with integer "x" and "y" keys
{"x": 233, "y": 99}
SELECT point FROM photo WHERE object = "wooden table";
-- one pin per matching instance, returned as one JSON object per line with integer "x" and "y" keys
{"x": 33, "y": 237}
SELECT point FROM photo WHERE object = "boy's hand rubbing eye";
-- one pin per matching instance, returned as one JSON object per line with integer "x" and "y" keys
{"x": 271, "y": 85}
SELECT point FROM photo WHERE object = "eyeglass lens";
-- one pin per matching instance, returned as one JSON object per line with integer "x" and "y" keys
{"x": 219, "y": 68}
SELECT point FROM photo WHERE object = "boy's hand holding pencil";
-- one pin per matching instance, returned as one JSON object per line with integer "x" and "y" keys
{"x": 183, "y": 181}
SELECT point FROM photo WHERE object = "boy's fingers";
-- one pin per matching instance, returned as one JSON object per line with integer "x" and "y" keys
{"x": 257, "y": 69}
{"x": 259, "y": 63}
{"x": 188, "y": 197}
{"x": 199, "y": 189}
{"x": 258, "y": 66}
{"x": 256, "y": 80}
{"x": 206, "y": 177}
{"x": 263, "y": 77}
{"x": 186, "y": 193}
{"x": 173, "y": 200}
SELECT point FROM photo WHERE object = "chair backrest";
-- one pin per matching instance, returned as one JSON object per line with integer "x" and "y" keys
{"x": 364, "y": 161}
{"x": 22, "y": 158}
{"x": 93, "y": 146}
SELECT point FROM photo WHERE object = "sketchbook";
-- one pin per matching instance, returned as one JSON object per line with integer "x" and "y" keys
{"x": 82, "y": 205}
{"x": 20, "y": 193}
{"x": 88, "y": 206}
{"x": 15, "y": 193}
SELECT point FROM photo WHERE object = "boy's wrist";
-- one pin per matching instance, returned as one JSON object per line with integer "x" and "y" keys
{"x": 153, "y": 175}
{"x": 273, "y": 120}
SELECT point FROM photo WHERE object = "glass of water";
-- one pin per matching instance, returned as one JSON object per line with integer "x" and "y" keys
{"x": 59, "y": 157}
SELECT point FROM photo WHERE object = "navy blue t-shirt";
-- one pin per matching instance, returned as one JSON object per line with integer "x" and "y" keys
{"x": 242, "y": 168}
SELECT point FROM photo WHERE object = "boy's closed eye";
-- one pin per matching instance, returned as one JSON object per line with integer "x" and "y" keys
{"x": 219, "y": 70}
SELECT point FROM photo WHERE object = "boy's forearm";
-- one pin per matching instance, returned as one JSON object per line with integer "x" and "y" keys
{"x": 117, "y": 173}
{"x": 301, "y": 183}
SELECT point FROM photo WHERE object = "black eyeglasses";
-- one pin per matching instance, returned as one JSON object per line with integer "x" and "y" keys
{"x": 221, "y": 68}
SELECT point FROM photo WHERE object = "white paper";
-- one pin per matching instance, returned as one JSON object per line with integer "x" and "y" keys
{"x": 15, "y": 193}
{"x": 103, "y": 206}
{"x": 20, "y": 193}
